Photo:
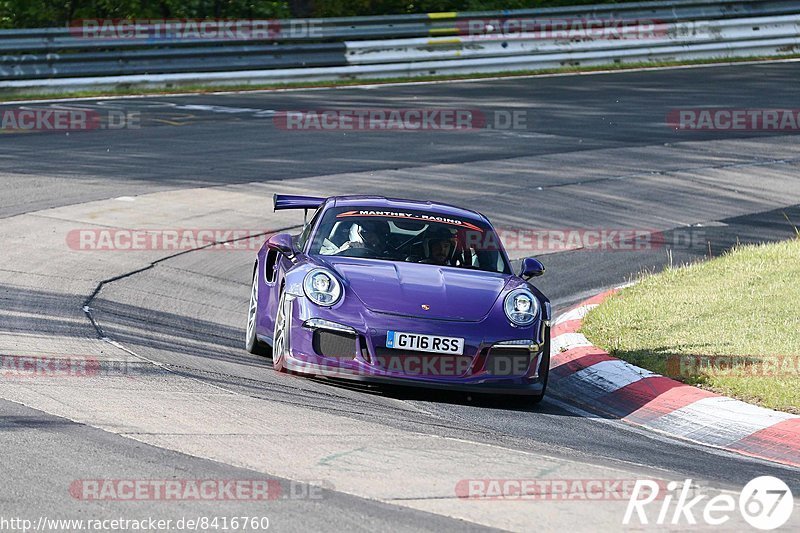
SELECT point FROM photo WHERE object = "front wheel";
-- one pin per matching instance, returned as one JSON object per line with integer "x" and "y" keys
{"x": 544, "y": 369}
{"x": 281, "y": 335}
{"x": 252, "y": 344}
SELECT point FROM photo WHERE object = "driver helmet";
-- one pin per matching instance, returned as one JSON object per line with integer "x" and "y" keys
{"x": 438, "y": 240}
{"x": 371, "y": 233}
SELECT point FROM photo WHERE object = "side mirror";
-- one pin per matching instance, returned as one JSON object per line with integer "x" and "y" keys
{"x": 531, "y": 268}
{"x": 283, "y": 243}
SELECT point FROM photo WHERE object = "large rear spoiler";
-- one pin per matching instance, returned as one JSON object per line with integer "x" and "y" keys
{"x": 287, "y": 201}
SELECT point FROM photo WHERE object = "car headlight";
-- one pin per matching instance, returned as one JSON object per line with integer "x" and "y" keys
{"x": 322, "y": 287}
{"x": 521, "y": 307}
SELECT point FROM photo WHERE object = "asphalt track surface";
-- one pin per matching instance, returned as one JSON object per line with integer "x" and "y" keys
{"x": 595, "y": 153}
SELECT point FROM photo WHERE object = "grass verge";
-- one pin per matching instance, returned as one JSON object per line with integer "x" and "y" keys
{"x": 200, "y": 89}
{"x": 730, "y": 325}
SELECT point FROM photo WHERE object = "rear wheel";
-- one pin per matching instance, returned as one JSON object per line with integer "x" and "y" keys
{"x": 252, "y": 344}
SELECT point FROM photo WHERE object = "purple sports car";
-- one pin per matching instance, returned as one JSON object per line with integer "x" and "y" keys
{"x": 402, "y": 292}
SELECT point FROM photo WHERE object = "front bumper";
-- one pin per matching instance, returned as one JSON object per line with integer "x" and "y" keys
{"x": 358, "y": 351}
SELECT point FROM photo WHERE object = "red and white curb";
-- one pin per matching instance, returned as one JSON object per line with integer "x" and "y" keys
{"x": 582, "y": 371}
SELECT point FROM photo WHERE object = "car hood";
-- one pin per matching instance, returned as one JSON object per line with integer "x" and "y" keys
{"x": 406, "y": 288}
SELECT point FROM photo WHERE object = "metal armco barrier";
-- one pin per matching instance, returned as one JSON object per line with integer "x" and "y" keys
{"x": 58, "y": 59}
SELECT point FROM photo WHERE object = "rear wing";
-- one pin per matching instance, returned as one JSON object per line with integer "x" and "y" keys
{"x": 287, "y": 201}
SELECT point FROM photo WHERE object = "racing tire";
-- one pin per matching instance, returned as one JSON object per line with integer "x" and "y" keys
{"x": 280, "y": 335}
{"x": 252, "y": 344}
{"x": 544, "y": 370}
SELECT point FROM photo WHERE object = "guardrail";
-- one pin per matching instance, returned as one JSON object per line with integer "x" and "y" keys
{"x": 683, "y": 33}
{"x": 283, "y": 51}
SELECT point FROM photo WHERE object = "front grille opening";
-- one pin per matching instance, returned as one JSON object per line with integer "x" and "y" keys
{"x": 508, "y": 361}
{"x": 334, "y": 344}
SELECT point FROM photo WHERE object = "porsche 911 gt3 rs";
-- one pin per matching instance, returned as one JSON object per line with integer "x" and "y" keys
{"x": 399, "y": 291}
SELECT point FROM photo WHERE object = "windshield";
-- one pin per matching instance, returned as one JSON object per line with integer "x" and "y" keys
{"x": 410, "y": 236}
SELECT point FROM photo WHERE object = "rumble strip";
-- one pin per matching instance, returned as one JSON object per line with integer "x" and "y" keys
{"x": 614, "y": 387}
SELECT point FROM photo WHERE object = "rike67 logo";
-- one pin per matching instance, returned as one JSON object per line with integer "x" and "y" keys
{"x": 765, "y": 503}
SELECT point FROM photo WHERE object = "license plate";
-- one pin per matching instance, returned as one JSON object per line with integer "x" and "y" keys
{"x": 424, "y": 343}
